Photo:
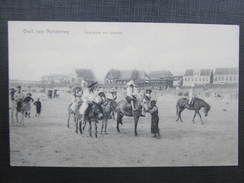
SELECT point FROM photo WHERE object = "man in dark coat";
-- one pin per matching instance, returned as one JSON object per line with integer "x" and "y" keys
{"x": 38, "y": 105}
{"x": 154, "y": 119}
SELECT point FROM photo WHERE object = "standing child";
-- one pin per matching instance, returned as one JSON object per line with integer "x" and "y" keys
{"x": 154, "y": 119}
{"x": 27, "y": 104}
{"x": 19, "y": 97}
{"x": 38, "y": 105}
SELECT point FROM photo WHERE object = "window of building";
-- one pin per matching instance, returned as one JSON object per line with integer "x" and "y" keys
{"x": 230, "y": 78}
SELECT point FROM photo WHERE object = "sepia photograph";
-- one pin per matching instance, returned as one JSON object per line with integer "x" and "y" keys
{"x": 106, "y": 94}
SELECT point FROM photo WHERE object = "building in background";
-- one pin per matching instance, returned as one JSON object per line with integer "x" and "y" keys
{"x": 84, "y": 74}
{"x": 226, "y": 76}
{"x": 24, "y": 83}
{"x": 197, "y": 77}
{"x": 54, "y": 80}
{"x": 161, "y": 79}
{"x": 177, "y": 81}
{"x": 119, "y": 78}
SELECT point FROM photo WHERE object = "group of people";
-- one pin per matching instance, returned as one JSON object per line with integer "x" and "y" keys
{"x": 21, "y": 103}
{"x": 88, "y": 93}
{"x": 85, "y": 94}
{"x": 131, "y": 94}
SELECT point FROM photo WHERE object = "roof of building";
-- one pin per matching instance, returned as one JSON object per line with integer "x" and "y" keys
{"x": 113, "y": 74}
{"x": 54, "y": 76}
{"x": 201, "y": 72}
{"x": 86, "y": 74}
{"x": 189, "y": 72}
{"x": 205, "y": 72}
{"x": 160, "y": 74}
{"x": 226, "y": 71}
{"x": 126, "y": 74}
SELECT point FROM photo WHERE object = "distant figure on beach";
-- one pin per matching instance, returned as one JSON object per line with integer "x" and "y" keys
{"x": 19, "y": 98}
{"x": 12, "y": 103}
{"x": 154, "y": 119}
{"x": 38, "y": 105}
{"x": 27, "y": 104}
{"x": 50, "y": 94}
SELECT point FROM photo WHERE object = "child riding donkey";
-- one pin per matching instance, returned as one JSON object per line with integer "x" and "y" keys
{"x": 131, "y": 94}
{"x": 191, "y": 96}
{"x": 131, "y": 97}
{"x": 89, "y": 96}
{"x": 146, "y": 100}
{"x": 76, "y": 99}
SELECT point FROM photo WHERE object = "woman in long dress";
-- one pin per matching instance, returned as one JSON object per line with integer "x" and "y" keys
{"x": 154, "y": 119}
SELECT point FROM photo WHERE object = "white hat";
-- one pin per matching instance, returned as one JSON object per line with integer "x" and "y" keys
{"x": 84, "y": 84}
{"x": 112, "y": 90}
{"x": 131, "y": 82}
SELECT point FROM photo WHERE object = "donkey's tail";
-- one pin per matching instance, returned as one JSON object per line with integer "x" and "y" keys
{"x": 177, "y": 108}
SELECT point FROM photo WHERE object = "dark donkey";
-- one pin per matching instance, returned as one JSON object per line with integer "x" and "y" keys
{"x": 109, "y": 107}
{"x": 93, "y": 113}
{"x": 198, "y": 103}
{"x": 125, "y": 109}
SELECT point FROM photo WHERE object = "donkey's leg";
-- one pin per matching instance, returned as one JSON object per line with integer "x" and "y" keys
{"x": 193, "y": 119}
{"x": 84, "y": 125}
{"x": 90, "y": 128}
{"x": 136, "y": 119}
{"x": 102, "y": 126}
{"x": 68, "y": 119}
{"x": 181, "y": 110}
{"x": 119, "y": 119}
{"x": 17, "y": 116}
{"x": 23, "y": 119}
{"x": 106, "y": 123}
{"x": 95, "y": 128}
{"x": 80, "y": 125}
{"x": 76, "y": 125}
{"x": 12, "y": 115}
{"x": 200, "y": 117}
{"x": 113, "y": 116}
{"x": 178, "y": 114}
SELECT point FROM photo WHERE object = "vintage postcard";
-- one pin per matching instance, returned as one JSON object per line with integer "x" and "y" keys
{"x": 100, "y": 94}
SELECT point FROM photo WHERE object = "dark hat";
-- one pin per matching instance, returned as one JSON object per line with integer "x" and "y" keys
{"x": 19, "y": 86}
{"x": 148, "y": 91}
{"x": 29, "y": 94}
{"x": 153, "y": 102}
{"x": 101, "y": 94}
{"x": 92, "y": 85}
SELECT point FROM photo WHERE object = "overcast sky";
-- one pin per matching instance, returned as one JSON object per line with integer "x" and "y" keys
{"x": 41, "y": 48}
